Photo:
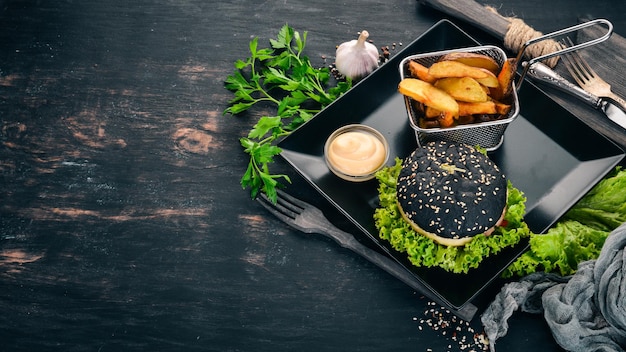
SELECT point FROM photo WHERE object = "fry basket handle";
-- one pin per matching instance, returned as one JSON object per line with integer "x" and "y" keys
{"x": 563, "y": 50}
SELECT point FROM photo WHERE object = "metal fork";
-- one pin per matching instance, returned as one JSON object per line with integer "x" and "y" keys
{"x": 586, "y": 77}
{"x": 309, "y": 219}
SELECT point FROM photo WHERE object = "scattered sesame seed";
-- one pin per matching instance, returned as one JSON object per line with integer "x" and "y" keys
{"x": 459, "y": 333}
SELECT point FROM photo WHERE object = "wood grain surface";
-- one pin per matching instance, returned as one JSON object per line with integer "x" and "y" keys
{"x": 123, "y": 226}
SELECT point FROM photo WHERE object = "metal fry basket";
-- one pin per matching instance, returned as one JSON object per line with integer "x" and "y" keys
{"x": 488, "y": 135}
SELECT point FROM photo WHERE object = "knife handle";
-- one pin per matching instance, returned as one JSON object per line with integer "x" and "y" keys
{"x": 543, "y": 73}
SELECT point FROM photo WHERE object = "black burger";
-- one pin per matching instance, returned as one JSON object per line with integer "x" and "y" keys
{"x": 451, "y": 192}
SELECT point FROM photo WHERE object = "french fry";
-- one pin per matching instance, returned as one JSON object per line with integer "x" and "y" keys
{"x": 429, "y": 95}
{"x": 420, "y": 71}
{"x": 490, "y": 81}
{"x": 441, "y": 118}
{"x": 486, "y": 107}
{"x": 431, "y": 113}
{"x": 446, "y": 119}
{"x": 474, "y": 59}
{"x": 443, "y": 69}
{"x": 505, "y": 79}
{"x": 502, "y": 109}
{"x": 464, "y": 89}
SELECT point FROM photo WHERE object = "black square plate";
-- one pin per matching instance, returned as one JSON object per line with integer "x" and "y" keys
{"x": 547, "y": 153}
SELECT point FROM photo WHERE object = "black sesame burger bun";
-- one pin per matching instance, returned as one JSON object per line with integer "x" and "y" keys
{"x": 451, "y": 192}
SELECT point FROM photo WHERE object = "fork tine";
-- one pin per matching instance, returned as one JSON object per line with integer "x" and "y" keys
{"x": 574, "y": 59}
{"x": 293, "y": 214}
{"x": 280, "y": 211}
{"x": 572, "y": 67}
{"x": 293, "y": 201}
{"x": 590, "y": 73}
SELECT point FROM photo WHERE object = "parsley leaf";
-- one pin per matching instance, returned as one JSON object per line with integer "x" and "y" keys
{"x": 284, "y": 77}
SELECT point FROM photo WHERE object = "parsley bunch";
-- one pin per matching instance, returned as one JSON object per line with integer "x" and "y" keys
{"x": 283, "y": 77}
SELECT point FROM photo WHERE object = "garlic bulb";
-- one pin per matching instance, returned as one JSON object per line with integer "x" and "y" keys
{"x": 357, "y": 58}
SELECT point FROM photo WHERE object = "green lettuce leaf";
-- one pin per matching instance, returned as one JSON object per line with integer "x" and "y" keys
{"x": 422, "y": 251}
{"x": 560, "y": 250}
{"x": 580, "y": 234}
{"x": 604, "y": 207}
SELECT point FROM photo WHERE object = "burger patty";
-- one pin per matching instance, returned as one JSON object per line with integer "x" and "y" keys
{"x": 451, "y": 191}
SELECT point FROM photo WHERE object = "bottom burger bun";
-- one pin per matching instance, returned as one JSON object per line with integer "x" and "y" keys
{"x": 453, "y": 242}
{"x": 451, "y": 192}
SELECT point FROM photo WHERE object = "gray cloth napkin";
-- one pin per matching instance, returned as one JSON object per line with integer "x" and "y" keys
{"x": 586, "y": 311}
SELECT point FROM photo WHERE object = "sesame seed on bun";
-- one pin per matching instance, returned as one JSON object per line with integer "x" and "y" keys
{"x": 451, "y": 192}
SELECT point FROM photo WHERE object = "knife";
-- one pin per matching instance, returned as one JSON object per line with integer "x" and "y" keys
{"x": 543, "y": 73}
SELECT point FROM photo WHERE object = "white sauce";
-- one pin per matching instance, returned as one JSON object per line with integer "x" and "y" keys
{"x": 356, "y": 153}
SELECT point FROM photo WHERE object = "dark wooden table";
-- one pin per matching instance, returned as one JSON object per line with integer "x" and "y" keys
{"x": 122, "y": 222}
